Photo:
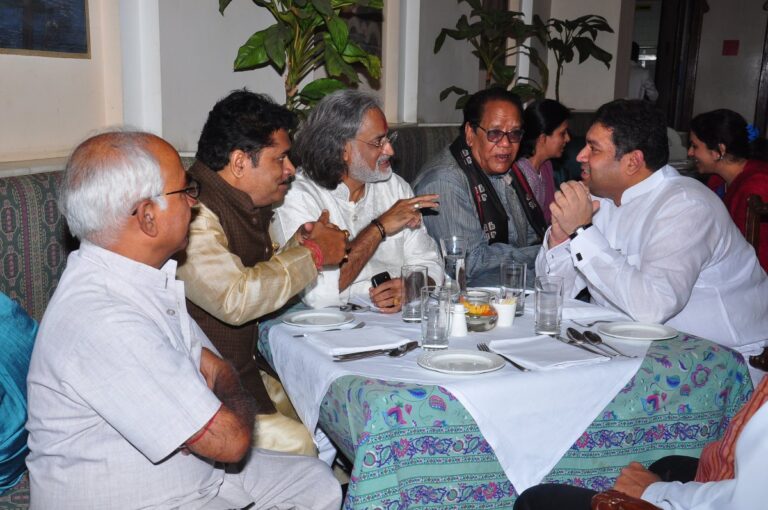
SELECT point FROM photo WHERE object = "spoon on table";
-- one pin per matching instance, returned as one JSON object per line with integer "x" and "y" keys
{"x": 596, "y": 340}
{"x": 579, "y": 339}
{"x": 356, "y": 326}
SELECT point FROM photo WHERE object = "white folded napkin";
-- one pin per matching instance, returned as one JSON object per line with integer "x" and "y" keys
{"x": 573, "y": 309}
{"x": 544, "y": 353}
{"x": 348, "y": 341}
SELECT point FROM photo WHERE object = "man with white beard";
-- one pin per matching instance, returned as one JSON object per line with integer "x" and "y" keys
{"x": 344, "y": 155}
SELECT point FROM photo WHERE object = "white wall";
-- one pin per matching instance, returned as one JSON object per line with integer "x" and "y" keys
{"x": 454, "y": 64}
{"x": 588, "y": 85}
{"x": 198, "y": 47}
{"x": 730, "y": 82}
{"x": 48, "y": 104}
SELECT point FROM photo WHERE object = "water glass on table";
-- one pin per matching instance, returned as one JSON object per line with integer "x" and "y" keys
{"x": 454, "y": 250}
{"x": 548, "y": 304}
{"x": 413, "y": 278}
{"x": 513, "y": 282}
{"x": 435, "y": 317}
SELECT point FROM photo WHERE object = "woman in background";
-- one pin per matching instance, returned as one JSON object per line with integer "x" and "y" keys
{"x": 720, "y": 145}
{"x": 546, "y": 134}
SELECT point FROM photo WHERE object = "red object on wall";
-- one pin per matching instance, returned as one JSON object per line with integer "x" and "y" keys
{"x": 730, "y": 47}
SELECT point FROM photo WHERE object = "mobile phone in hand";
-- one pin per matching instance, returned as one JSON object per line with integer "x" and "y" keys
{"x": 380, "y": 278}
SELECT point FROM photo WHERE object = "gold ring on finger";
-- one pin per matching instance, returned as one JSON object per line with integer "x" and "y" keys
{"x": 417, "y": 205}
{"x": 346, "y": 233}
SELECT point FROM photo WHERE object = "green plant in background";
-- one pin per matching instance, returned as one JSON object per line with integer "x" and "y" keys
{"x": 490, "y": 33}
{"x": 563, "y": 36}
{"x": 307, "y": 35}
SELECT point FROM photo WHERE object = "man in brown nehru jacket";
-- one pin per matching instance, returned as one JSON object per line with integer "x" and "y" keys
{"x": 233, "y": 272}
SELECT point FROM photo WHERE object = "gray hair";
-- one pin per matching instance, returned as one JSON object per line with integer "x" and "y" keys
{"x": 320, "y": 142}
{"x": 105, "y": 178}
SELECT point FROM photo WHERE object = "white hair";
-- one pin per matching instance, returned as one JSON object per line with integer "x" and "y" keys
{"x": 105, "y": 179}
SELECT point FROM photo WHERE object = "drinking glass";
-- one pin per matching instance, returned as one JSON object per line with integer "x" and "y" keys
{"x": 513, "y": 276}
{"x": 548, "y": 304}
{"x": 454, "y": 249}
{"x": 435, "y": 317}
{"x": 413, "y": 279}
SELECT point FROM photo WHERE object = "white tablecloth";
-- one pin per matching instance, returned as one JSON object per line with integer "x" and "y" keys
{"x": 530, "y": 419}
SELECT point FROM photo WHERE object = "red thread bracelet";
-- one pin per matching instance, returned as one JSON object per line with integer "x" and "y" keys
{"x": 317, "y": 253}
{"x": 205, "y": 429}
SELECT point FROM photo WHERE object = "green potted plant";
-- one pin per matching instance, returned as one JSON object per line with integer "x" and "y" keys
{"x": 495, "y": 35}
{"x": 580, "y": 34}
{"x": 307, "y": 35}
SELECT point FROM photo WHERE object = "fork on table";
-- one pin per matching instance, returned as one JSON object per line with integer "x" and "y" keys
{"x": 482, "y": 346}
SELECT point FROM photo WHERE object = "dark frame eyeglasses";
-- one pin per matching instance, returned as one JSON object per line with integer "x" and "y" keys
{"x": 192, "y": 191}
{"x": 495, "y": 135}
{"x": 381, "y": 142}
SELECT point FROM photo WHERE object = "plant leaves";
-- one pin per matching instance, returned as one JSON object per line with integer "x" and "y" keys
{"x": 252, "y": 53}
{"x": 339, "y": 32}
{"x": 335, "y": 65}
{"x": 323, "y": 7}
{"x": 320, "y": 88}
{"x": 223, "y": 4}
{"x": 452, "y": 89}
{"x": 276, "y": 41}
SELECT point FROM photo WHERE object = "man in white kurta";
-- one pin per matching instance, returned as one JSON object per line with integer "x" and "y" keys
{"x": 659, "y": 247}
{"x": 356, "y": 185}
{"x": 129, "y": 404}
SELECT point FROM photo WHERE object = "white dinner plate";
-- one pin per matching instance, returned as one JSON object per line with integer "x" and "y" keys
{"x": 460, "y": 361}
{"x": 323, "y": 318}
{"x": 637, "y": 331}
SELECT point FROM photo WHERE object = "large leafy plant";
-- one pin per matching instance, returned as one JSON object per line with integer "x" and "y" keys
{"x": 496, "y": 35}
{"x": 307, "y": 35}
{"x": 567, "y": 37}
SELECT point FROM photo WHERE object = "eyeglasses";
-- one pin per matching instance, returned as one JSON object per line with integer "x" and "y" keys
{"x": 495, "y": 135}
{"x": 381, "y": 142}
{"x": 192, "y": 191}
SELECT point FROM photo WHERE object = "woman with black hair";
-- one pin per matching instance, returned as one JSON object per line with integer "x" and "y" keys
{"x": 720, "y": 145}
{"x": 545, "y": 137}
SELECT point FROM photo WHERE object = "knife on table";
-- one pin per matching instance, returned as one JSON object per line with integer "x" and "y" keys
{"x": 580, "y": 346}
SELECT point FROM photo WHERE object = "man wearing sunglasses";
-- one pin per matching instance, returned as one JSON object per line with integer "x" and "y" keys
{"x": 482, "y": 200}
{"x": 233, "y": 271}
{"x": 344, "y": 152}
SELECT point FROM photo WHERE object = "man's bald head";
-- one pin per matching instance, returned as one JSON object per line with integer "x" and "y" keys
{"x": 105, "y": 177}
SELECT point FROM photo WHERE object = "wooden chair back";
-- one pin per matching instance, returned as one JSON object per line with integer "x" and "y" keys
{"x": 615, "y": 500}
{"x": 757, "y": 213}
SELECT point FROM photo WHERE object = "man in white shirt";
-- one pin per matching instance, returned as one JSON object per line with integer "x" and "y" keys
{"x": 344, "y": 153}
{"x": 130, "y": 406}
{"x": 654, "y": 245}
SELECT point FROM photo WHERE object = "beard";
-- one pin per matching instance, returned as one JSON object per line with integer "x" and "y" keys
{"x": 360, "y": 171}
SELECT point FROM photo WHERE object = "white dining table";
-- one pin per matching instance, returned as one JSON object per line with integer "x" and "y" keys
{"x": 506, "y": 403}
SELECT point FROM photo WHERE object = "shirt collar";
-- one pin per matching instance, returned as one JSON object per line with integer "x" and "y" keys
{"x": 127, "y": 269}
{"x": 648, "y": 184}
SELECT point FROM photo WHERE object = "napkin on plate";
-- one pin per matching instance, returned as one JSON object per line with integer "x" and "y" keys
{"x": 347, "y": 341}
{"x": 544, "y": 353}
{"x": 573, "y": 309}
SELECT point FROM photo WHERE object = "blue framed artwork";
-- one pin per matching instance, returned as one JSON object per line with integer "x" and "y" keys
{"x": 51, "y": 28}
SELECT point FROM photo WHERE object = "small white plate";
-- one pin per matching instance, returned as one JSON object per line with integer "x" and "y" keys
{"x": 637, "y": 331}
{"x": 322, "y": 318}
{"x": 460, "y": 361}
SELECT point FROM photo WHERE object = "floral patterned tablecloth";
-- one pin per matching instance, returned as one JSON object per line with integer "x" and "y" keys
{"x": 416, "y": 447}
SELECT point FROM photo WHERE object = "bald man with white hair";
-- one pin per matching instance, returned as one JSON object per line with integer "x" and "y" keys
{"x": 130, "y": 406}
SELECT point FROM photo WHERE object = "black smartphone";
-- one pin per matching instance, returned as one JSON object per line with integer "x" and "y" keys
{"x": 380, "y": 278}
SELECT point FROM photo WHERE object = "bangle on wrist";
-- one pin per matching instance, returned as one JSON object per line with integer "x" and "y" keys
{"x": 202, "y": 432}
{"x": 579, "y": 230}
{"x": 317, "y": 253}
{"x": 375, "y": 222}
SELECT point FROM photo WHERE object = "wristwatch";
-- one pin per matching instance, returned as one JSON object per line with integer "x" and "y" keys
{"x": 579, "y": 230}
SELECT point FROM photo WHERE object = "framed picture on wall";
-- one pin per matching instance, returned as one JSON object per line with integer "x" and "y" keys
{"x": 49, "y": 28}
